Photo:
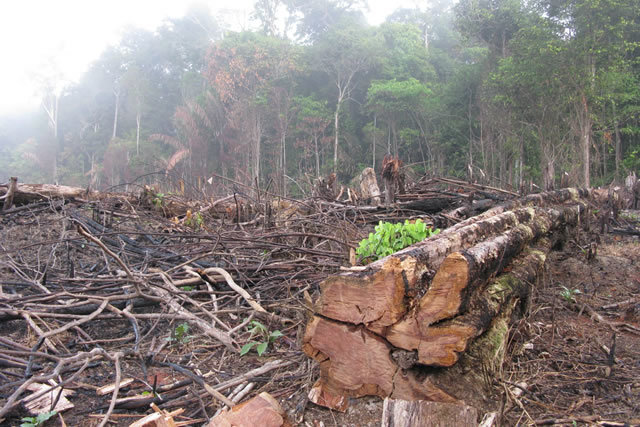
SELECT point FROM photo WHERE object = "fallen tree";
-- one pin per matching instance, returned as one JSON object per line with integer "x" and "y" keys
{"x": 374, "y": 331}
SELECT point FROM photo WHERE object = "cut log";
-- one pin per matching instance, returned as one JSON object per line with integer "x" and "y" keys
{"x": 463, "y": 274}
{"x": 395, "y": 328}
{"x": 351, "y": 358}
{"x": 441, "y": 345}
{"x": 263, "y": 410}
{"x": 376, "y": 296}
{"x": 403, "y": 413}
{"x": 28, "y": 193}
{"x": 355, "y": 362}
{"x": 373, "y": 296}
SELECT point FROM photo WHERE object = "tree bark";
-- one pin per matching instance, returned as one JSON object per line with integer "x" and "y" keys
{"x": 369, "y": 186}
{"x": 10, "y": 194}
{"x": 116, "y": 92}
{"x": 376, "y": 295}
{"x": 618, "y": 149}
{"x": 138, "y": 120}
{"x": 403, "y": 413}
{"x": 442, "y": 344}
{"x": 336, "y": 123}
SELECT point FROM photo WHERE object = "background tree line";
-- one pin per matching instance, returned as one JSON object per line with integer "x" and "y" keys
{"x": 507, "y": 90}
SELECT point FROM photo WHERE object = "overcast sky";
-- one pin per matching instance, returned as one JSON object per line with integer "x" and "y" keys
{"x": 41, "y": 37}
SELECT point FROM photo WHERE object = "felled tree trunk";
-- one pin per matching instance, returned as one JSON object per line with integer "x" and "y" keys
{"x": 378, "y": 295}
{"x": 441, "y": 344}
{"x": 28, "y": 193}
{"x": 375, "y": 330}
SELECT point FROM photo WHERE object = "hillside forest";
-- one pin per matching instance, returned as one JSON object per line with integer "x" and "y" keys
{"x": 506, "y": 92}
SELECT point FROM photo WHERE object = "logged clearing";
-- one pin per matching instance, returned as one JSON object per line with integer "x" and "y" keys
{"x": 125, "y": 301}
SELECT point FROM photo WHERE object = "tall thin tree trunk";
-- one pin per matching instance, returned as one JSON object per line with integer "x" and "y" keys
{"x": 52, "y": 113}
{"x": 315, "y": 140}
{"x": 115, "y": 114}
{"x": 520, "y": 171}
{"x": 337, "y": 134}
{"x": 470, "y": 135}
{"x": 284, "y": 163}
{"x": 618, "y": 140}
{"x": 257, "y": 137}
{"x": 373, "y": 145}
{"x": 138, "y": 133}
{"x": 604, "y": 159}
{"x": 585, "y": 139}
{"x": 55, "y": 140}
{"x": 55, "y": 119}
{"x": 395, "y": 138}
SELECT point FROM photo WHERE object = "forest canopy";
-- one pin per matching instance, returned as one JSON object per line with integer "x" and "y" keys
{"x": 509, "y": 91}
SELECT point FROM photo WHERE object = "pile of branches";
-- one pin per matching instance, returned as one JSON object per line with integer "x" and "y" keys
{"x": 93, "y": 283}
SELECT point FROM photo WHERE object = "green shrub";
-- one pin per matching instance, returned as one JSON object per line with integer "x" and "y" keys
{"x": 37, "y": 421}
{"x": 390, "y": 238}
{"x": 259, "y": 330}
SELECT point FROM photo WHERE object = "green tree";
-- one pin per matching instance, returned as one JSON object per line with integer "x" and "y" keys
{"x": 242, "y": 69}
{"x": 312, "y": 120}
{"x": 344, "y": 52}
{"x": 394, "y": 100}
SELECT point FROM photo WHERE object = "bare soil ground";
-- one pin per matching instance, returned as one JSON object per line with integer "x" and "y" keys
{"x": 575, "y": 359}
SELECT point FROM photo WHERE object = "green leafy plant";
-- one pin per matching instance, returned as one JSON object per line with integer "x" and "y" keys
{"x": 194, "y": 221}
{"x": 390, "y": 238}
{"x": 37, "y": 421}
{"x": 569, "y": 294}
{"x": 180, "y": 334}
{"x": 158, "y": 200}
{"x": 265, "y": 337}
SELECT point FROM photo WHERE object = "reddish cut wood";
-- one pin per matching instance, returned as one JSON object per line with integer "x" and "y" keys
{"x": 263, "y": 410}
{"x": 355, "y": 362}
{"x": 376, "y": 298}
